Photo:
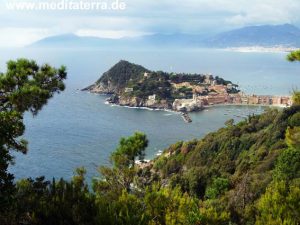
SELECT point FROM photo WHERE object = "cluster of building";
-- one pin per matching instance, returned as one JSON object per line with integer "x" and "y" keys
{"x": 211, "y": 93}
{"x": 243, "y": 99}
{"x": 198, "y": 102}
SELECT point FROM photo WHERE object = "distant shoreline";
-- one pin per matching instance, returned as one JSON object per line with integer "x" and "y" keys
{"x": 253, "y": 49}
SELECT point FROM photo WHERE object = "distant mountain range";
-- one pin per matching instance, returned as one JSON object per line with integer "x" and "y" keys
{"x": 264, "y": 36}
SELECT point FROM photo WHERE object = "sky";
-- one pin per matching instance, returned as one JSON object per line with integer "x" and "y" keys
{"x": 141, "y": 17}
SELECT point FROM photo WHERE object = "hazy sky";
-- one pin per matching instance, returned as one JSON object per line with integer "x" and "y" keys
{"x": 21, "y": 27}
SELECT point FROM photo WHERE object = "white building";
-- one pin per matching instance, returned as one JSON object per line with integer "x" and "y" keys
{"x": 152, "y": 97}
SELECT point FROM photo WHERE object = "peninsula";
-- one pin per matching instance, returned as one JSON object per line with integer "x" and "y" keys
{"x": 132, "y": 85}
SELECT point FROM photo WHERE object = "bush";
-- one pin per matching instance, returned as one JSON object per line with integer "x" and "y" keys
{"x": 218, "y": 187}
{"x": 294, "y": 120}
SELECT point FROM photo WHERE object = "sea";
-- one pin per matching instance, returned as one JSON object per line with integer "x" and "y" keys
{"x": 78, "y": 129}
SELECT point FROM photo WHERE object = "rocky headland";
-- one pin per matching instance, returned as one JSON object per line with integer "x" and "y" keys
{"x": 132, "y": 85}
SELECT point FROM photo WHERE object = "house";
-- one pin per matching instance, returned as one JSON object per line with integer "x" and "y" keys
{"x": 208, "y": 79}
{"x": 152, "y": 97}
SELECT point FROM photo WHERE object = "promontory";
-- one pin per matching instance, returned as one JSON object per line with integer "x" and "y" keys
{"x": 132, "y": 85}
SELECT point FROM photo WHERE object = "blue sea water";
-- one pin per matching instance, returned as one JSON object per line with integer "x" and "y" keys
{"x": 78, "y": 129}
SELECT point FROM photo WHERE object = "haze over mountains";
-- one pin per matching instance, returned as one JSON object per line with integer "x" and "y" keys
{"x": 285, "y": 35}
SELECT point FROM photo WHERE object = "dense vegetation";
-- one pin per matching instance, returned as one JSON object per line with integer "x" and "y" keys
{"x": 121, "y": 73}
{"x": 24, "y": 87}
{"x": 230, "y": 169}
{"x": 245, "y": 173}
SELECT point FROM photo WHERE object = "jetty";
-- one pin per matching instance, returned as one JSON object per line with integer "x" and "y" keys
{"x": 186, "y": 117}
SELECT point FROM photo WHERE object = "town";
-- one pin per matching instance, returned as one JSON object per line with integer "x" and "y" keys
{"x": 213, "y": 94}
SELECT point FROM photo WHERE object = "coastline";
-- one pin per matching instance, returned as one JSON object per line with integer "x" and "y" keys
{"x": 204, "y": 107}
{"x": 141, "y": 108}
{"x": 261, "y": 49}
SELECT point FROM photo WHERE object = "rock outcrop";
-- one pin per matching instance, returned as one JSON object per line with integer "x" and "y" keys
{"x": 138, "y": 102}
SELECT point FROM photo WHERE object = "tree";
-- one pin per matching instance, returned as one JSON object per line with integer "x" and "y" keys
{"x": 25, "y": 86}
{"x": 218, "y": 187}
{"x": 121, "y": 175}
{"x": 292, "y": 137}
{"x": 279, "y": 205}
{"x": 294, "y": 120}
{"x": 129, "y": 149}
{"x": 294, "y": 56}
{"x": 296, "y": 97}
{"x": 288, "y": 165}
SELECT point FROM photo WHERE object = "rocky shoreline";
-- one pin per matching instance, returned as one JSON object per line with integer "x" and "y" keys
{"x": 134, "y": 102}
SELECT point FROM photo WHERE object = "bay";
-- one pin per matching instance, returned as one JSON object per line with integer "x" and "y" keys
{"x": 78, "y": 129}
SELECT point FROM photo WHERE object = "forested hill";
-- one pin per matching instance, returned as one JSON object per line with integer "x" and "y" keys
{"x": 121, "y": 73}
{"x": 237, "y": 169}
{"x": 145, "y": 82}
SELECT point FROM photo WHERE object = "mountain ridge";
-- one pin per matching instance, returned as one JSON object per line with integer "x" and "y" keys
{"x": 285, "y": 35}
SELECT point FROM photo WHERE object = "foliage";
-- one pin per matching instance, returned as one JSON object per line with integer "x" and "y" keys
{"x": 296, "y": 98}
{"x": 294, "y": 121}
{"x": 25, "y": 86}
{"x": 235, "y": 164}
{"x": 288, "y": 165}
{"x": 121, "y": 175}
{"x": 294, "y": 56}
{"x": 280, "y": 204}
{"x": 122, "y": 73}
{"x": 219, "y": 186}
{"x": 293, "y": 137}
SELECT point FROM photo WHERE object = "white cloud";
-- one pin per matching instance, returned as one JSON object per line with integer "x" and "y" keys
{"x": 115, "y": 34}
{"x": 144, "y": 16}
{"x": 18, "y": 37}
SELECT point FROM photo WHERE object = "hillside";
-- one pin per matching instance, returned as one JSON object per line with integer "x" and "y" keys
{"x": 231, "y": 168}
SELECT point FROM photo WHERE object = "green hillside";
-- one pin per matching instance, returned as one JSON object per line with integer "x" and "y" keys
{"x": 232, "y": 167}
{"x": 121, "y": 73}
